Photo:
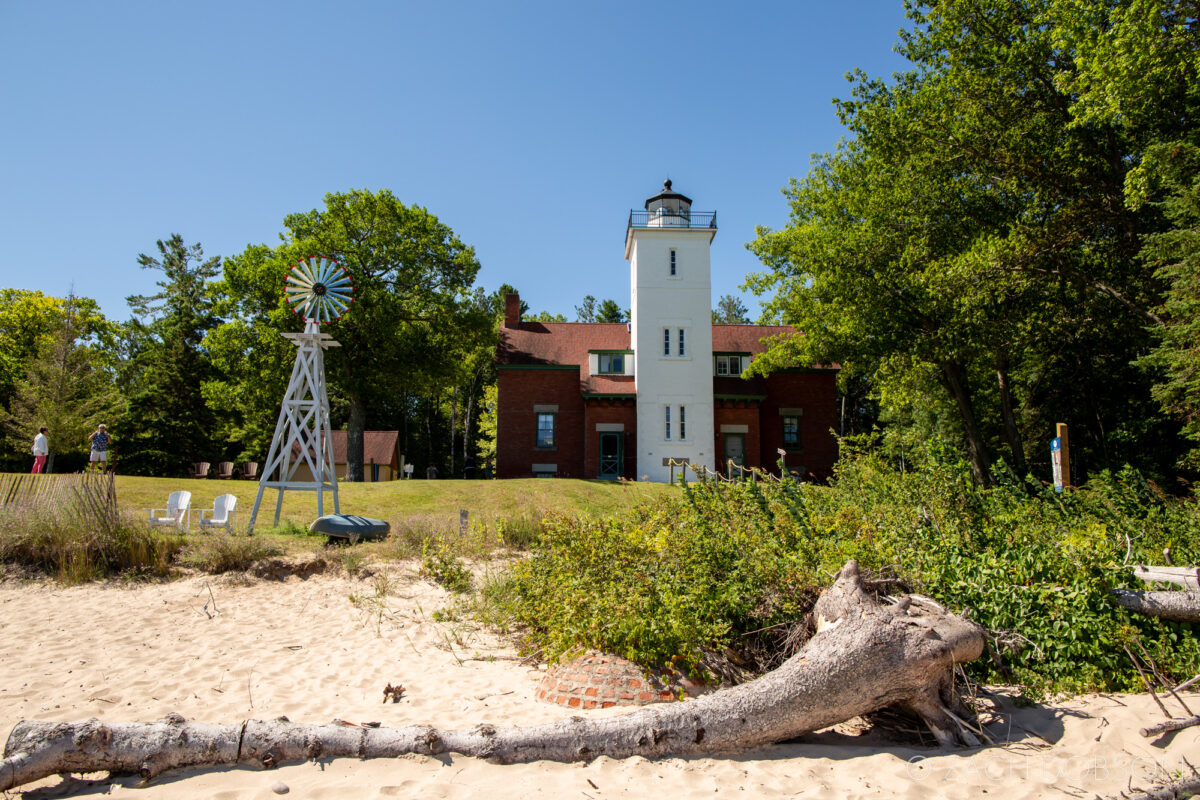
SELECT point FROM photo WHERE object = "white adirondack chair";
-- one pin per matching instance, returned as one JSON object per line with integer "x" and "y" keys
{"x": 175, "y": 515}
{"x": 220, "y": 515}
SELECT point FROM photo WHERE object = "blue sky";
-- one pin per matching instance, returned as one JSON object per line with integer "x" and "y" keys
{"x": 529, "y": 128}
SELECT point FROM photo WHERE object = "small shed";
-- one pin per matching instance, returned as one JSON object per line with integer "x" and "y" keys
{"x": 382, "y": 459}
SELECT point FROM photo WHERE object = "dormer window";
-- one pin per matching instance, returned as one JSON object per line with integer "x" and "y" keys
{"x": 611, "y": 364}
{"x": 730, "y": 365}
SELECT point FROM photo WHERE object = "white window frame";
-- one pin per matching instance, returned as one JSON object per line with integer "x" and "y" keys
{"x": 674, "y": 269}
{"x": 682, "y": 349}
{"x": 667, "y": 423}
{"x": 724, "y": 366}
{"x": 537, "y": 431}
{"x": 682, "y": 423}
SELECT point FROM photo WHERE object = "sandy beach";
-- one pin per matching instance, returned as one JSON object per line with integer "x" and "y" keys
{"x": 226, "y": 648}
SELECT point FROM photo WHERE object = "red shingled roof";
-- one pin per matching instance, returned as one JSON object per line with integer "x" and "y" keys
{"x": 568, "y": 343}
{"x": 608, "y": 384}
{"x": 559, "y": 342}
{"x": 746, "y": 338}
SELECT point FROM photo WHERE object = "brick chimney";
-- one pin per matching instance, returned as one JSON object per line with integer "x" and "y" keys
{"x": 512, "y": 310}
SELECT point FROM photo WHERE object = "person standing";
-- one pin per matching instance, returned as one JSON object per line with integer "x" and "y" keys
{"x": 41, "y": 449}
{"x": 100, "y": 440}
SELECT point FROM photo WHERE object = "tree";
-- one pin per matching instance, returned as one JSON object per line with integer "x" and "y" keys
{"x": 28, "y": 321}
{"x": 610, "y": 311}
{"x": 167, "y": 426}
{"x": 411, "y": 275}
{"x": 67, "y": 386}
{"x": 970, "y": 239}
{"x": 586, "y": 310}
{"x": 592, "y": 311}
{"x": 1137, "y": 68}
{"x": 730, "y": 310}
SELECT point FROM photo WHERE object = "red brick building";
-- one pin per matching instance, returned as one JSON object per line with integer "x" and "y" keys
{"x": 617, "y": 400}
{"x": 544, "y": 373}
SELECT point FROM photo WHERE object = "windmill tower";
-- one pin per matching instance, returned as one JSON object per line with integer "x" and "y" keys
{"x": 319, "y": 290}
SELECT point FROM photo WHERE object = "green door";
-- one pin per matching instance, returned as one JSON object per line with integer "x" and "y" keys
{"x": 612, "y": 453}
{"x": 735, "y": 448}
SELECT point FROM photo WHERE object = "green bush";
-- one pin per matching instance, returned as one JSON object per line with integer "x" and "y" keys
{"x": 726, "y": 568}
{"x": 439, "y": 562}
{"x": 223, "y": 552}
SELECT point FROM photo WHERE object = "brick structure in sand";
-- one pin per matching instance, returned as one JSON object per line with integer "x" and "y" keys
{"x": 602, "y": 680}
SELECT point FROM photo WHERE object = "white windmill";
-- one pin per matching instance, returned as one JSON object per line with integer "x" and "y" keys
{"x": 319, "y": 290}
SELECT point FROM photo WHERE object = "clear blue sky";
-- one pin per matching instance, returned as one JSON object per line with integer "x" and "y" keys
{"x": 530, "y": 129}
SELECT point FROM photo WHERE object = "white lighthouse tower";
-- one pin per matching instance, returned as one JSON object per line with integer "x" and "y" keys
{"x": 667, "y": 247}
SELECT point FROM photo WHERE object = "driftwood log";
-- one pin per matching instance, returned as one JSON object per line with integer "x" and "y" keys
{"x": 866, "y": 655}
{"x": 1173, "y": 605}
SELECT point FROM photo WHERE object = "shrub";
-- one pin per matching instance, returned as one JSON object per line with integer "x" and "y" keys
{"x": 74, "y": 547}
{"x": 439, "y": 563}
{"x": 223, "y": 552}
{"x": 726, "y": 568}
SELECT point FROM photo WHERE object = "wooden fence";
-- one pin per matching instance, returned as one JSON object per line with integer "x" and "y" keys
{"x": 91, "y": 494}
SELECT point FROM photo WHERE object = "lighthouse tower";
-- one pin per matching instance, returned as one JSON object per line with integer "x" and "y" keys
{"x": 667, "y": 247}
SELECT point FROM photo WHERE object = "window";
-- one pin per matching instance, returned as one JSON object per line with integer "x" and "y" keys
{"x": 791, "y": 432}
{"x": 682, "y": 423}
{"x": 545, "y": 430}
{"x": 667, "y": 422}
{"x": 673, "y": 261}
{"x": 729, "y": 365}
{"x": 682, "y": 349}
{"x": 612, "y": 363}
{"x": 666, "y": 341}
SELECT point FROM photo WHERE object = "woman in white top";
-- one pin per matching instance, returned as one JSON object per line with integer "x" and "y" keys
{"x": 41, "y": 449}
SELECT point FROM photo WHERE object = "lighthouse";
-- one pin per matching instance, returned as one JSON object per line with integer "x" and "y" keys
{"x": 667, "y": 246}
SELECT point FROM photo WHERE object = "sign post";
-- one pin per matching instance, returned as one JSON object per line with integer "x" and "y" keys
{"x": 1060, "y": 458}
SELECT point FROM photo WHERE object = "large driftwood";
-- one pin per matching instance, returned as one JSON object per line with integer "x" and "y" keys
{"x": 1178, "y": 790}
{"x": 866, "y": 655}
{"x": 1177, "y": 606}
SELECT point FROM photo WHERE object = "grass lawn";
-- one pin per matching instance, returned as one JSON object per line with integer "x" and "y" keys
{"x": 419, "y": 512}
{"x": 395, "y": 501}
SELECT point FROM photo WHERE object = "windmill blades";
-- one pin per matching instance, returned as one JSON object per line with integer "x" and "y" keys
{"x": 319, "y": 289}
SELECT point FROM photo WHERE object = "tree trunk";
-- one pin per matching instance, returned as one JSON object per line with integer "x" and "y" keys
{"x": 865, "y": 655}
{"x": 354, "y": 438}
{"x": 453, "y": 423}
{"x": 1011, "y": 434}
{"x": 1177, "y": 606}
{"x": 955, "y": 380}
{"x": 431, "y": 405}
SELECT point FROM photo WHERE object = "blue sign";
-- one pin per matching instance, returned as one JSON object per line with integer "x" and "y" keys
{"x": 1056, "y": 462}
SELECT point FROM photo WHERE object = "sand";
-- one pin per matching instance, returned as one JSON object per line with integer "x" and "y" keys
{"x": 223, "y": 649}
